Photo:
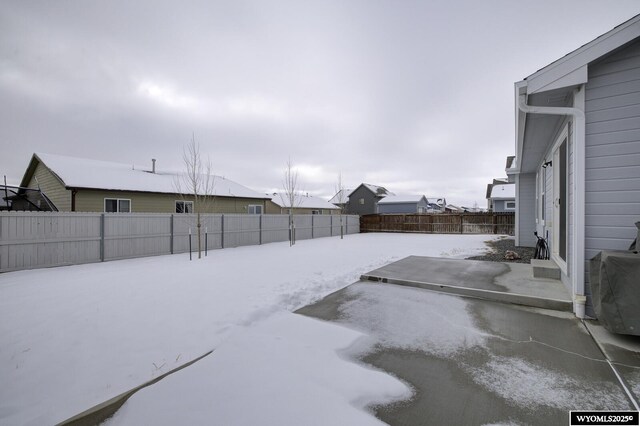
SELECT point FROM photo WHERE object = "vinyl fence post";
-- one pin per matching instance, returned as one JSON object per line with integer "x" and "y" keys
{"x": 222, "y": 230}
{"x": 260, "y": 230}
{"x": 331, "y": 226}
{"x": 206, "y": 240}
{"x": 312, "y": 224}
{"x": 171, "y": 234}
{"x": 346, "y": 226}
{"x": 102, "y": 237}
{"x": 190, "y": 244}
{"x": 461, "y": 223}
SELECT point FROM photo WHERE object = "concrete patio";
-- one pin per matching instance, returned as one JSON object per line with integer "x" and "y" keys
{"x": 516, "y": 364}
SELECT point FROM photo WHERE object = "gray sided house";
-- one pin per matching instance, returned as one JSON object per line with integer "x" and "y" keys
{"x": 364, "y": 199}
{"x": 577, "y": 162}
{"x": 403, "y": 204}
{"x": 503, "y": 198}
{"x": 83, "y": 185}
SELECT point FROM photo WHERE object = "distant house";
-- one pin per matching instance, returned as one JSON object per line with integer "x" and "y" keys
{"x": 577, "y": 163}
{"x": 502, "y": 198}
{"x": 305, "y": 204}
{"x": 364, "y": 199}
{"x": 450, "y": 208}
{"x": 341, "y": 199}
{"x": 498, "y": 181}
{"x": 83, "y": 185}
{"x": 436, "y": 204}
{"x": 403, "y": 204}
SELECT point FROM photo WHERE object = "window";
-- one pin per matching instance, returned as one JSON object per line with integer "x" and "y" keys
{"x": 254, "y": 209}
{"x": 361, "y": 201}
{"x": 184, "y": 206}
{"x": 117, "y": 205}
{"x": 316, "y": 212}
{"x": 510, "y": 205}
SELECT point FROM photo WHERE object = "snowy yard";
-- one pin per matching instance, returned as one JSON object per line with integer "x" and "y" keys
{"x": 73, "y": 337}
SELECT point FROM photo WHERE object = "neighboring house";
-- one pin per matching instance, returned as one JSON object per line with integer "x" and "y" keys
{"x": 304, "y": 204}
{"x": 403, "y": 204}
{"x": 364, "y": 199}
{"x": 82, "y": 185}
{"x": 577, "y": 162}
{"x": 341, "y": 199}
{"x": 490, "y": 187}
{"x": 436, "y": 204}
{"x": 450, "y": 208}
{"x": 502, "y": 198}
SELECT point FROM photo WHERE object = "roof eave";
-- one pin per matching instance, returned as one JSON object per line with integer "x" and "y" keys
{"x": 571, "y": 69}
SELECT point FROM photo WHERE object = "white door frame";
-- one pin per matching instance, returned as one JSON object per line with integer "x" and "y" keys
{"x": 557, "y": 202}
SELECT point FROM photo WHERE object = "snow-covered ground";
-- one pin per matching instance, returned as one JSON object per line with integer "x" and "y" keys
{"x": 73, "y": 337}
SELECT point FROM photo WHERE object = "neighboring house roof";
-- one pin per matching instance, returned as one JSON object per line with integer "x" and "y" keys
{"x": 343, "y": 195}
{"x": 379, "y": 191}
{"x": 454, "y": 208}
{"x": 305, "y": 202}
{"x": 397, "y": 199}
{"x": 498, "y": 181}
{"x": 441, "y": 201}
{"x": 504, "y": 192}
{"x": 96, "y": 174}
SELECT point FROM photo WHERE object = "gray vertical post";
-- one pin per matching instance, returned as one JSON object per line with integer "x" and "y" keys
{"x": 331, "y": 226}
{"x": 102, "y": 237}
{"x": 222, "y": 230}
{"x": 260, "y": 230}
{"x": 171, "y": 235}
{"x": 312, "y": 225}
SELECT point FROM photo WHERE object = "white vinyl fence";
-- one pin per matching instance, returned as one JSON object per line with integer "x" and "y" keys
{"x": 43, "y": 239}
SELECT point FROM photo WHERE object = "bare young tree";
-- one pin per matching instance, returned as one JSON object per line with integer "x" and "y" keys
{"x": 341, "y": 201}
{"x": 291, "y": 197}
{"x": 198, "y": 182}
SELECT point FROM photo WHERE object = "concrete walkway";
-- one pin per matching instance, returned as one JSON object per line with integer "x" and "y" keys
{"x": 513, "y": 364}
{"x": 505, "y": 282}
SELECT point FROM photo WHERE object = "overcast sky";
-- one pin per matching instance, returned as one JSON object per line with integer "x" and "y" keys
{"x": 416, "y": 96}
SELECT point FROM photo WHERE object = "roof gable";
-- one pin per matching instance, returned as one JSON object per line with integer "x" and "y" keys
{"x": 507, "y": 191}
{"x": 378, "y": 191}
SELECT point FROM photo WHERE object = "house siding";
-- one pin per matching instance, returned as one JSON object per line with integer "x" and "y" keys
{"x": 526, "y": 207}
{"x": 402, "y": 207}
{"x": 92, "y": 200}
{"x": 370, "y": 205}
{"x": 612, "y": 168}
{"x": 51, "y": 186}
{"x": 500, "y": 206}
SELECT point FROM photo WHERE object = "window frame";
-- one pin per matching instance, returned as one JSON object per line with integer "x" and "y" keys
{"x": 506, "y": 205}
{"x": 118, "y": 201}
{"x": 254, "y": 206}
{"x": 184, "y": 209}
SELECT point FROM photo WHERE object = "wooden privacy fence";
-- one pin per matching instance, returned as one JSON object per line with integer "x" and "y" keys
{"x": 42, "y": 239}
{"x": 440, "y": 223}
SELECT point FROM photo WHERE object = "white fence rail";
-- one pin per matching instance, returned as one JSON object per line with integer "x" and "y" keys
{"x": 43, "y": 239}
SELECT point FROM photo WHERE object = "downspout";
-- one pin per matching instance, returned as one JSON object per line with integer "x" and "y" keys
{"x": 73, "y": 199}
{"x": 579, "y": 123}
